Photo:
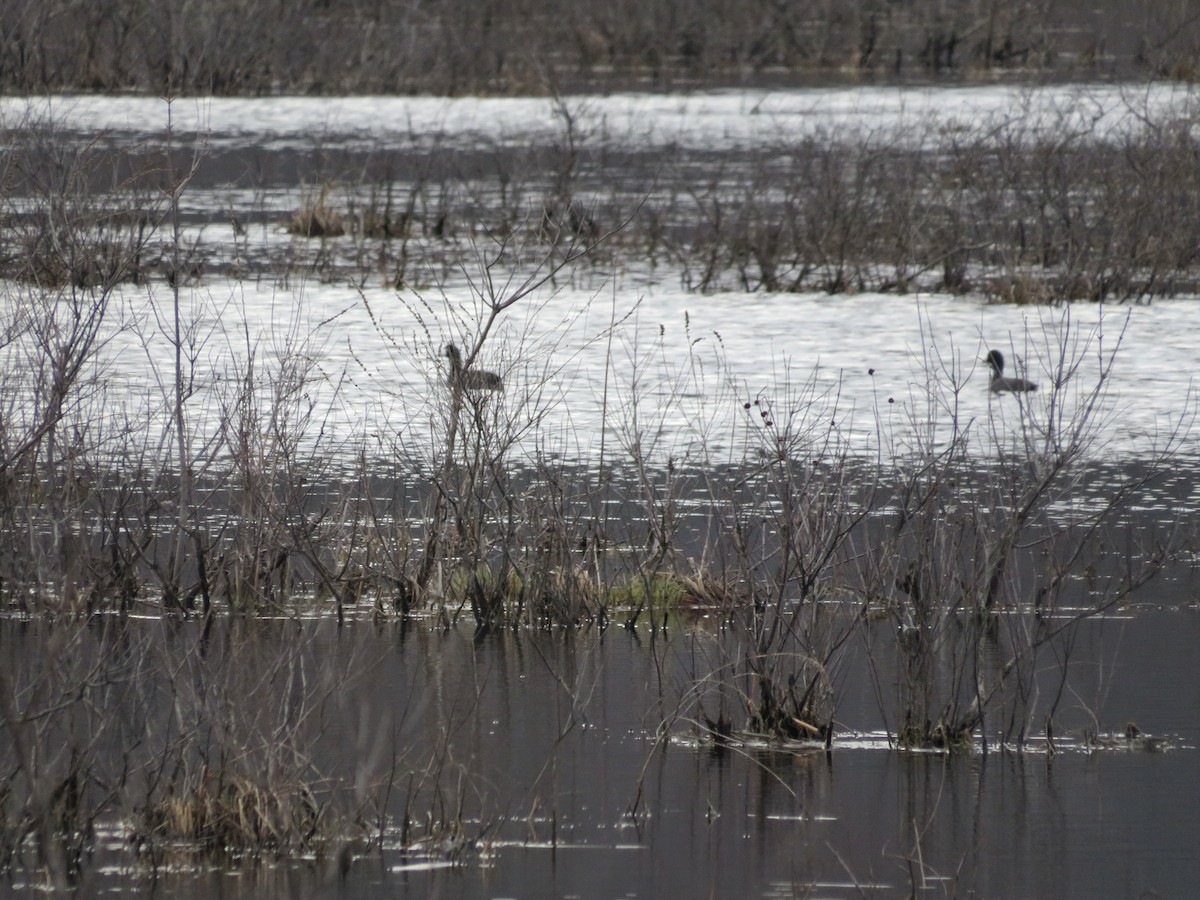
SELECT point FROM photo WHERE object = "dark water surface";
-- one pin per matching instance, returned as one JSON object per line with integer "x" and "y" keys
{"x": 545, "y": 747}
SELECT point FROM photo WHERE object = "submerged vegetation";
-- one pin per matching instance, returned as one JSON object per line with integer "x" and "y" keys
{"x": 955, "y": 563}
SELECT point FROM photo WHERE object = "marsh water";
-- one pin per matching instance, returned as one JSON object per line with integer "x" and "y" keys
{"x": 628, "y": 322}
{"x": 549, "y": 745}
{"x": 561, "y": 751}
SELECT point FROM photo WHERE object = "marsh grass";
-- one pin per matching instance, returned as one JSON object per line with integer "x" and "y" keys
{"x": 316, "y": 219}
{"x": 234, "y": 816}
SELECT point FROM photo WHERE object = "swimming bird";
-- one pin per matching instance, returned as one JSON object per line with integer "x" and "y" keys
{"x": 470, "y": 379}
{"x": 1004, "y": 384}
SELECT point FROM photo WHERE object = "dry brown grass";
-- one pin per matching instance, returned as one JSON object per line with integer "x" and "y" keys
{"x": 316, "y": 218}
{"x": 233, "y": 814}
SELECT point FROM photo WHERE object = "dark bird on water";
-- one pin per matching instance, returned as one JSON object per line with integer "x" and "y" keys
{"x": 1005, "y": 384}
{"x": 470, "y": 379}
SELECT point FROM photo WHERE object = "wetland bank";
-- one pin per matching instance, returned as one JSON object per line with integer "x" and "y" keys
{"x": 743, "y": 584}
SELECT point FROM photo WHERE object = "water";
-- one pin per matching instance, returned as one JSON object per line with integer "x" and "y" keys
{"x": 546, "y": 747}
{"x": 548, "y": 743}
{"x": 879, "y": 368}
{"x": 581, "y": 350}
{"x": 721, "y": 120}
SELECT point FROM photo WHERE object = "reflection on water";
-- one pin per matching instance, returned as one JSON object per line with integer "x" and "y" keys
{"x": 563, "y": 789}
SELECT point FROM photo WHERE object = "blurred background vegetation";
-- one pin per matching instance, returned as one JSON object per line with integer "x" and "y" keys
{"x": 545, "y": 46}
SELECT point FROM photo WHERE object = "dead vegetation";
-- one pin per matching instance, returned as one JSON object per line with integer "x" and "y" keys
{"x": 315, "y": 219}
{"x": 1027, "y": 210}
{"x": 959, "y": 574}
{"x": 401, "y": 46}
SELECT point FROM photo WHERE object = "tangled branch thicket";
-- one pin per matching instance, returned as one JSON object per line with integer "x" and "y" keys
{"x": 532, "y": 47}
{"x": 1026, "y": 214}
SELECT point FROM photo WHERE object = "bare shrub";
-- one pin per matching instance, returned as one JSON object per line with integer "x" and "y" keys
{"x": 74, "y": 217}
{"x": 984, "y": 561}
{"x": 1029, "y": 211}
{"x": 485, "y": 525}
{"x": 57, "y": 429}
{"x": 780, "y": 527}
{"x": 963, "y": 563}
